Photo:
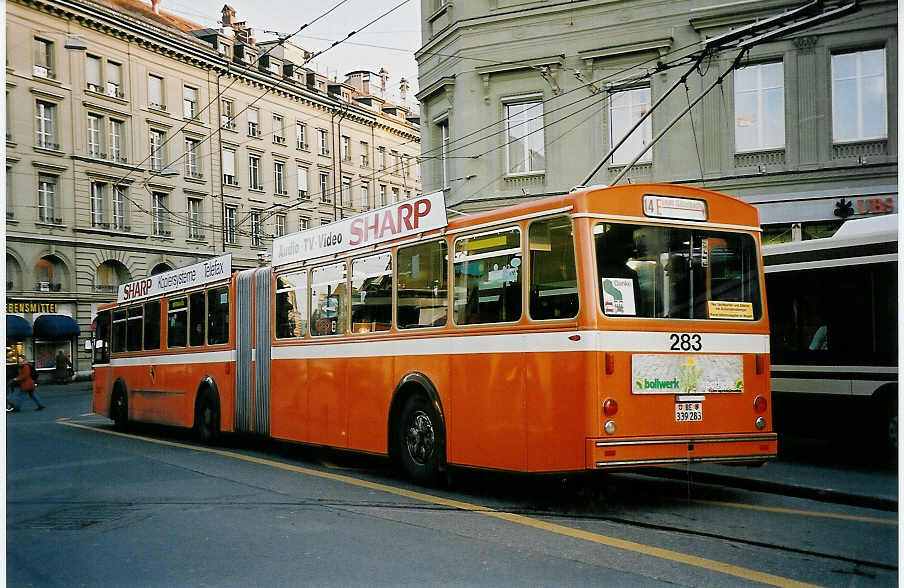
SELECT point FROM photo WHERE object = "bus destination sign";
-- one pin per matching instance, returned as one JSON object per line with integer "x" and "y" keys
{"x": 205, "y": 272}
{"x": 674, "y": 207}
{"x": 417, "y": 215}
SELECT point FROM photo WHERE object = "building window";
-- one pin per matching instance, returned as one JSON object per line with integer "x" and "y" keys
{"x": 759, "y": 92}
{"x": 525, "y": 152}
{"x": 279, "y": 177}
{"x": 395, "y": 194}
{"x": 227, "y": 159}
{"x": 158, "y": 149}
{"x": 189, "y": 102}
{"x": 254, "y": 172}
{"x": 96, "y": 136}
{"x": 192, "y": 166}
{"x": 381, "y": 157}
{"x": 255, "y": 228}
{"x": 114, "y": 80}
{"x": 383, "y": 195}
{"x": 45, "y": 121}
{"x": 325, "y": 221}
{"x": 859, "y": 110}
{"x": 155, "y": 92}
{"x": 444, "y": 151}
{"x": 625, "y": 109}
{"x": 280, "y": 225}
{"x": 278, "y": 135}
{"x": 346, "y": 148}
{"x": 300, "y": 138}
{"x": 43, "y": 58}
{"x": 116, "y": 141}
{"x": 325, "y": 187}
{"x": 195, "y": 230}
{"x": 407, "y": 194}
{"x": 254, "y": 129}
{"x": 304, "y": 223}
{"x": 394, "y": 162}
{"x": 120, "y": 208}
{"x": 302, "y": 182}
{"x": 99, "y": 205}
{"x": 229, "y": 224}
{"x": 346, "y": 191}
{"x": 47, "y": 199}
{"x": 92, "y": 73}
{"x": 159, "y": 212}
{"x": 227, "y": 113}
{"x": 364, "y": 151}
{"x": 365, "y": 194}
{"x": 323, "y": 146}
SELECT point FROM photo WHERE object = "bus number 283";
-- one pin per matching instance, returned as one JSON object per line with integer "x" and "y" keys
{"x": 685, "y": 342}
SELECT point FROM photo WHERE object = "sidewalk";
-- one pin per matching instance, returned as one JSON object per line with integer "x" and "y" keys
{"x": 870, "y": 488}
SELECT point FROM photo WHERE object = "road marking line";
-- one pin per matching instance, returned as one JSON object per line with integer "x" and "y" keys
{"x": 809, "y": 513}
{"x": 666, "y": 554}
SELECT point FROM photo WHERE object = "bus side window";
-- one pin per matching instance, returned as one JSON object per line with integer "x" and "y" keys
{"x": 134, "y": 326}
{"x": 488, "y": 277}
{"x": 329, "y": 300}
{"x": 152, "y": 325}
{"x": 553, "y": 275}
{"x": 176, "y": 322}
{"x": 422, "y": 289}
{"x": 291, "y": 304}
{"x": 197, "y": 316}
{"x": 119, "y": 330}
{"x": 371, "y": 293}
{"x": 102, "y": 338}
{"x": 218, "y": 316}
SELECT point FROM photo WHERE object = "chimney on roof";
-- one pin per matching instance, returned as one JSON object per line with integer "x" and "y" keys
{"x": 155, "y": 6}
{"x": 228, "y": 17}
{"x": 384, "y": 77}
{"x": 403, "y": 89}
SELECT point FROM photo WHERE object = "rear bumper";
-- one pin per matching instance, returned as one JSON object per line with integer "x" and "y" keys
{"x": 620, "y": 453}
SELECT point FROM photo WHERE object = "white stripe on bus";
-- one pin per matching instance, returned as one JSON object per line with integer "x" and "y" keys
{"x": 853, "y": 369}
{"x": 556, "y": 342}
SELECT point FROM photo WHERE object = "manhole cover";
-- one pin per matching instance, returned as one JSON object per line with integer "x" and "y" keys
{"x": 77, "y": 517}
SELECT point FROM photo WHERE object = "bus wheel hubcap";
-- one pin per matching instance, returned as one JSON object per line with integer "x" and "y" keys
{"x": 420, "y": 438}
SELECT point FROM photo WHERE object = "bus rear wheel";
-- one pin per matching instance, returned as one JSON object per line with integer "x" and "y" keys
{"x": 207, "y": 418}
{"x": 119, "y": 409}
{"x": 421, "y": 440}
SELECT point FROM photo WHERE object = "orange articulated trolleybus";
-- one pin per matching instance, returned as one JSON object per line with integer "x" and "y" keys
{"x": 605, "y": 328}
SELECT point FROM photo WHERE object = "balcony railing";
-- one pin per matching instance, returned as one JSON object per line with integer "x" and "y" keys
{"x": 48, "y": 286}
{"x": 43, "y": 72}
{"x": 301, "y": 145}
{"x": 156, "y": 106}
{"x": 279, "y": 140}
{"x": 45, "y": 144}
{"x": 105, "y": 288}
{"x": 303, "y": 194}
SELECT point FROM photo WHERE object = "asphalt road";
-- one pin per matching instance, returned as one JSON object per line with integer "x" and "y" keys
{"x": 87, "y": 506}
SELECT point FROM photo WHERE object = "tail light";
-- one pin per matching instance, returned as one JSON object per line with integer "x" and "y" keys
{"x": 759, "y": 404}
{"x": 610, "y": 407}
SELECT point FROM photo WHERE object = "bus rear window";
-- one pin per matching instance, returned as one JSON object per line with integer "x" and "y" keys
{"x": 672, "y": 272}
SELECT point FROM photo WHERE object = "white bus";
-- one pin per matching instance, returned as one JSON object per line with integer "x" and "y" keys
{"x": 833, "y": 310}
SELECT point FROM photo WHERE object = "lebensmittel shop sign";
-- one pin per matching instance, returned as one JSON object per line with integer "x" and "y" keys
{"x": 417, "y": 215}
{"x": 687, "y": 374}
{"x": 205, "y": 272}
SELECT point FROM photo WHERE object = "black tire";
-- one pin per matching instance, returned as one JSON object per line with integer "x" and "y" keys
{"x": 207, "y": 418}
{"x": 119, "y": 409}
{"x": 421, "y": 441}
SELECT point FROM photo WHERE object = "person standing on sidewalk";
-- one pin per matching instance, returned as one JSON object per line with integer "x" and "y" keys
{"x": 26, "y": 384}
{"x": 62, "y": 369}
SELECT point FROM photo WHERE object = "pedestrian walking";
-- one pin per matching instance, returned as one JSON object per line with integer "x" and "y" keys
{"x": 62, "y": 369}
{"x": 25, "y": 382}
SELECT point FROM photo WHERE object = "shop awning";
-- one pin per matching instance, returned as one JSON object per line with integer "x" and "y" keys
{"x": 17, "y": 328}
{"x": 55, "y": 326}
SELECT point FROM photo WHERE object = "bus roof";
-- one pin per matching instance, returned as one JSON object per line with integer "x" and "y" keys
{"x": 853, "y": 233}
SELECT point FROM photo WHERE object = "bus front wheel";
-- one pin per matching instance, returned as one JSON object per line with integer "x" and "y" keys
{"x": 119, "y": 409}
{"x": 421, "y": 440}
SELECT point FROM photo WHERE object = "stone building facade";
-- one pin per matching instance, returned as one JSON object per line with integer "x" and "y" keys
{"x": 522, "y": 98}
{"x": 137, "y": 142}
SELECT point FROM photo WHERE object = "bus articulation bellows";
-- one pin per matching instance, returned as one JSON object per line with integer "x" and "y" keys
{"x": 605, "y": 328}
